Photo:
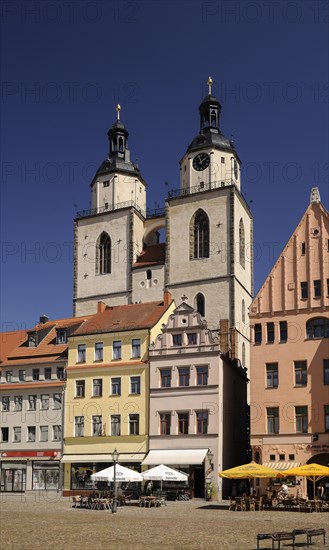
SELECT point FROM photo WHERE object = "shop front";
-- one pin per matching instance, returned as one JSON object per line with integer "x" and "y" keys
{"x": 190, "y": 461}
{"x": 29, "y": 471}
{"x": 79, "y": 468}
{"x": 13, "y": 477}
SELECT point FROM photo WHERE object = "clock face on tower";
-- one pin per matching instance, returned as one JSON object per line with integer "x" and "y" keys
{"x": 201, "y": 162}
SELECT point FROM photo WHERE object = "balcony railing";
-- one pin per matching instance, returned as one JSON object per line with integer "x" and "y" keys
{"x": 104, "y": 209}
{"x": 174, "y": 193}
{"x": 157, "y": 212}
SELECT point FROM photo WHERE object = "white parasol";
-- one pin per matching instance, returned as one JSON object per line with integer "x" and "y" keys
{"x": 164, "y": 473}
{"x": 121, "y": 474}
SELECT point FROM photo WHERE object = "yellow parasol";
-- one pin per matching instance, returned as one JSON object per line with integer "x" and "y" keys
{"x": 249, "y": 471}
{"x": 312, "y": 471}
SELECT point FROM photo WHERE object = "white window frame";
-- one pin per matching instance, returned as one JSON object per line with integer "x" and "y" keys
{"x": 44, "y": 401}
{"x": 118, "y": 384}
{"x": 97, "y": 425}
{"x": 18, "y": 403}
{"x": 135, "y": 383}
{"x": 79, "y": 426}
{"x": 44, "y": 434}
{"x": 32, "y": 399}
{"x": 57, "y": 401}
{"x": 5, "y": 401}
{"x": 115, "y": 420}
{"x": 99, "y": 351}
{"x": 117, "y": 347}
{"x": 31, "y": 434}
{"x": 17, "y": 431}
{"x": 97, "y": 387}
{"x": 80, "y": 390}
{"x": 57, "y": 433}
{"x": 135, "y": 348}
{"x": 81, "y": 353}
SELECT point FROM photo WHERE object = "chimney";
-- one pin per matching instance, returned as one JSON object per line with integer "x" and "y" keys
{"x": 43, "y": 319}
{"x": 167, "y": 298}
{"x": 101, "y": 307}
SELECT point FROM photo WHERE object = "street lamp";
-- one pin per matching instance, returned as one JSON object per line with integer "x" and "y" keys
{"x": 115, "y": 457}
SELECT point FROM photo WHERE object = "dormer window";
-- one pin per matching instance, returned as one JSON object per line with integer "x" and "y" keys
{"x": 61, "y": 336}
{"x": 32, "y": 340}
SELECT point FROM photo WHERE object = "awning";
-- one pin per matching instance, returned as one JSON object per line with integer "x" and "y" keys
{"x": 281, "y": 465}
{"x": 123, "y": 457}
{"x": 176, "y": 456}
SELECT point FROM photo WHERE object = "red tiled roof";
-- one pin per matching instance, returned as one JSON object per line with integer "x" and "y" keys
{"x": 151, "y": 255}
{"x": 122, "y": 318}
{"x": 9, "y": 341}
{"x": 30, "y": 385}
{"x": 47, "y": 349}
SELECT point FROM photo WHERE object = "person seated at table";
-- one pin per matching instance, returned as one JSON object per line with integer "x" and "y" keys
{"x": 283, "y": 491}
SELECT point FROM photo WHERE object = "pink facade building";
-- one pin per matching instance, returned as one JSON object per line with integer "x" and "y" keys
{"x": 290, "y": 351}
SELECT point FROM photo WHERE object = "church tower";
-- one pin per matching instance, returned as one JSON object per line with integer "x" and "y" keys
{"x": 110, "y": 234}
{"x": 209, "y": 232}
{"x": 206, "y": 259}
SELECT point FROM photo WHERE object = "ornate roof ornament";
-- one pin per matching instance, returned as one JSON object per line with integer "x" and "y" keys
{"x": 315, "y": 195}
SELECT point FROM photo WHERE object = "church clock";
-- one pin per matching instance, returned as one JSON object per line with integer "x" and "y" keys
{"x": 201, "y": 161}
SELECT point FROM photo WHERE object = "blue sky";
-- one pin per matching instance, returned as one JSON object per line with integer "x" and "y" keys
{"x": 65, "y": 65}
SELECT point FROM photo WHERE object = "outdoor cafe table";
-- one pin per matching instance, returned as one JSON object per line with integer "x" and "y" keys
{"x": 149, "y": 501}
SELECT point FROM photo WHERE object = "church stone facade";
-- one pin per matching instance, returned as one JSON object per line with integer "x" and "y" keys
{"x": 206, "y": 255}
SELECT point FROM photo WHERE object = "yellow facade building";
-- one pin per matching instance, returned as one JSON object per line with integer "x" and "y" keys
{"x": 107, "y": 389}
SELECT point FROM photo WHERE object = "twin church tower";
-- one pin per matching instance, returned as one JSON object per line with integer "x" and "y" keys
{"x": 205, "y": 258}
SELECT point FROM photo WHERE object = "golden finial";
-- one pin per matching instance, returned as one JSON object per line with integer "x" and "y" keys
{"x": 209, "y": 82}
{"x": 118, "y": 109}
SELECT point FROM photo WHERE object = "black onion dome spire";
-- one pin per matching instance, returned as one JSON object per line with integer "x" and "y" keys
{"x": 210, "y": 134}
{"x": 118, "y": 137}
{"x": 119, "y": 155}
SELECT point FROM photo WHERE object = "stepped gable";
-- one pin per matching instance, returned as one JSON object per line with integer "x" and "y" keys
{"x": 283, "y": 274}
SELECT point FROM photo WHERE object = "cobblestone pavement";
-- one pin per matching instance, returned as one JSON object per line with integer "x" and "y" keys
{"x": 47, "y": 522}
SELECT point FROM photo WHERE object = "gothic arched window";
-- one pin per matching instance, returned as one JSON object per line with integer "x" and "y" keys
{"x": 103, "y": 254}
{"x": 243, "y": 311}
{"x": 242, "y": 244}
{"x": 317, "y": 328}
{"x": 199, "y": 235}
{"x": 243, "y": 354}
{"x": 200, "y": 305}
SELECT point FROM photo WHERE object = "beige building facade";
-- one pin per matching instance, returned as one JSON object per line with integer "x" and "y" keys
{"x": 195, "y": 424}
{"x": 290, "y": 350}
